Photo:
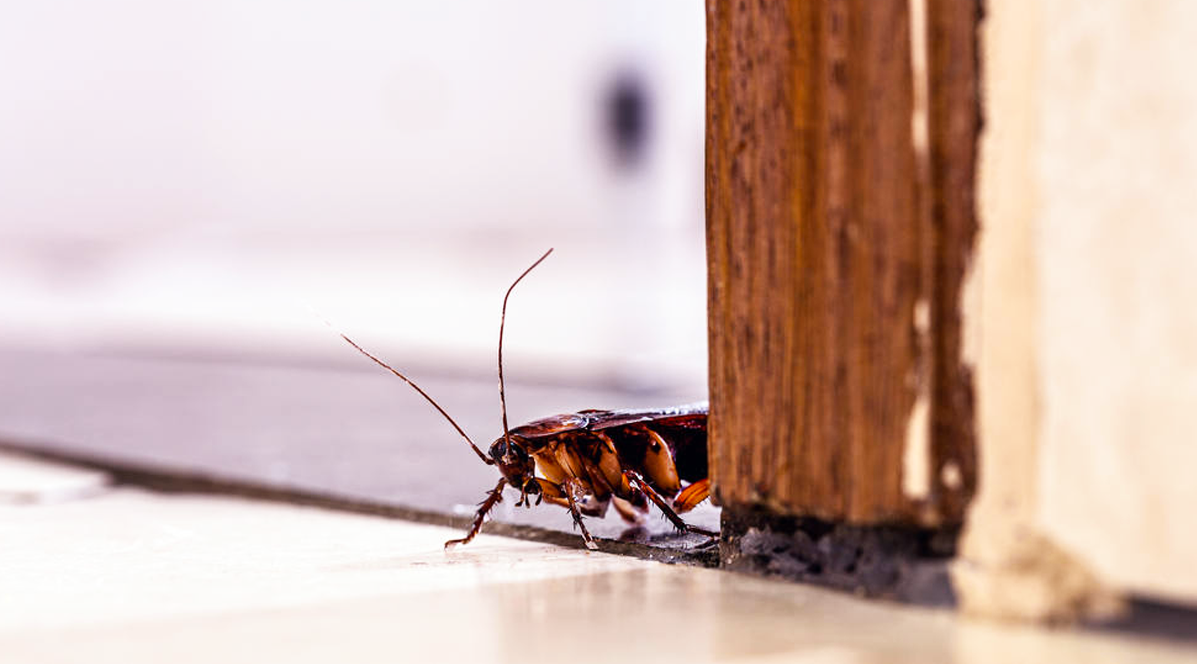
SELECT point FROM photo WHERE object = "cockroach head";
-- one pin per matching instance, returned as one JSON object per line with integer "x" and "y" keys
{"x": 513, "y": 461}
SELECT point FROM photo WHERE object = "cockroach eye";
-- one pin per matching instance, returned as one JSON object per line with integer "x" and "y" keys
{"x": 501, "y": 453}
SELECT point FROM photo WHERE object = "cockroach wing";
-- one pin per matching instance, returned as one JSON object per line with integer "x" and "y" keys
{"x": 551, "y": 426}
{"x": 688, "y": 416}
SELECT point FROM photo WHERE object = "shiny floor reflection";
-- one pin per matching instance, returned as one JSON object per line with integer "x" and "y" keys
{"x": 130, "y": 576}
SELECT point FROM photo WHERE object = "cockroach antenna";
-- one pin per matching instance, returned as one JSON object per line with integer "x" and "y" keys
{"x": 502, "y": 323}
{"x": 487, "y": 460}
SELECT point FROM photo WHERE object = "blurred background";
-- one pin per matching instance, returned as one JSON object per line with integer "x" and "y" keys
{"x": 185, "y": 179}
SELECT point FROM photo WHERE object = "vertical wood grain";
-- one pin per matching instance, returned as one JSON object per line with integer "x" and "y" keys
{"x": 818, "y": 260}
{"x": 954, "y": 123}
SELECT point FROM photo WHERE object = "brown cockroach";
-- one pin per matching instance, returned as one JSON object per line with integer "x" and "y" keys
{"x": 586, "y": 461}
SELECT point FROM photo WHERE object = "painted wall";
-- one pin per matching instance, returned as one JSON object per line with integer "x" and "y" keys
{"x": 1082, "y": 308}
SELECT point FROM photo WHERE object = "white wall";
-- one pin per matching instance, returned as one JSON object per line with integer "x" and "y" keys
{"x": 188, "y": 174}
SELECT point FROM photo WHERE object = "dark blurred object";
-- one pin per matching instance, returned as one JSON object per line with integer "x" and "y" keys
{"x": 627, "y": 119}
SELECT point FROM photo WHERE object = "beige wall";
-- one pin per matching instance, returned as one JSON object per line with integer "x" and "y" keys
{"x": 1117, "y": 258}
{"x": 1082, "y": 307}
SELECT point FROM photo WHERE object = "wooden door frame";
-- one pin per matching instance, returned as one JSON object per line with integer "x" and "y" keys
{"x": 840, "y": 185}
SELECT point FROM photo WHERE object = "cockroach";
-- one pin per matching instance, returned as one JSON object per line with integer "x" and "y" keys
{"x": 591, "y": 459}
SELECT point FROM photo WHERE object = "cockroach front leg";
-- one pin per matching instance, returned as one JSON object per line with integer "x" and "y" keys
{"x": 492, "y": 498}
{"x": 637, "y": 482}
{"x": 572, "y": 487}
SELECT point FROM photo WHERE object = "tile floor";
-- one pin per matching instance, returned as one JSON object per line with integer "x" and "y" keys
{"x": 119, "y": 574}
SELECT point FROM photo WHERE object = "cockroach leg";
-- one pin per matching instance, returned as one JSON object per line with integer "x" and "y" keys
{"x": 638, "y": 482}
{"x": 492, "y": 498}
{"x": 692, "y": 495}
{"x": 571, "y": 486}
